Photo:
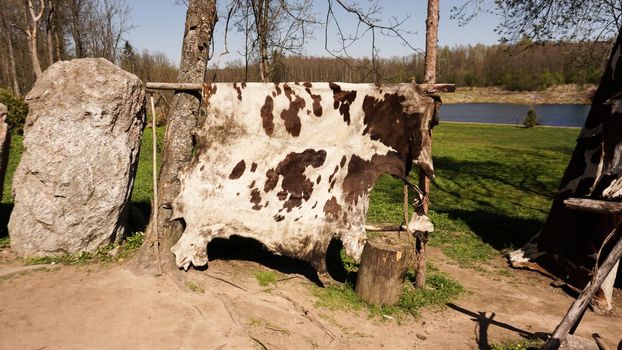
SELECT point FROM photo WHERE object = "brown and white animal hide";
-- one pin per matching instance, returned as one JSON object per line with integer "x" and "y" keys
{"x": 292, "y": 165}
{"x": 570, "y": 240}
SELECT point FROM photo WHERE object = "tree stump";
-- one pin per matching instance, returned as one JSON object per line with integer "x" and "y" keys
{"x": 384, "y": 263}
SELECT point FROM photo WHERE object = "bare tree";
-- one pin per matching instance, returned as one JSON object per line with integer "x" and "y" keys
{"x": 201, "y": 17}
{"x": 33, "y": 17}
{"x": 546, "y": 20}
{"x": 369, "y": 22}
{"x": 272, "y": 28}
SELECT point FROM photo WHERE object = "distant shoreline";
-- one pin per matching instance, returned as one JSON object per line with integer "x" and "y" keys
{"x": 561, "y": 94}
{"x": 506, "y": 124}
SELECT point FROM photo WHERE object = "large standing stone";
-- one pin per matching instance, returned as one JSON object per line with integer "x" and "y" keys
{"x": 5, "y": 142}
{"x": 81, "y": 143}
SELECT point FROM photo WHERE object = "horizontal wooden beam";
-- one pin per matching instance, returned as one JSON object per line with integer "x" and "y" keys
{"x": 594, "y": 205}
{"x": 429, "y": 88}
{"x": 384, "y": 227}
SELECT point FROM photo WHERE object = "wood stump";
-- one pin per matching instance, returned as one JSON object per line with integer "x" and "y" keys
{"x": 384, "y": 263}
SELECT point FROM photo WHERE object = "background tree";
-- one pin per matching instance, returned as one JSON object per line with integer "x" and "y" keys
{"x": 546, "y": 20}
{"x": 272, "y": 29}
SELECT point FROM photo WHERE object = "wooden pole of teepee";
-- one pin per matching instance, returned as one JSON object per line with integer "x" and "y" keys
{"x": 580, "y": 305}
{"x": 154, "y": 209}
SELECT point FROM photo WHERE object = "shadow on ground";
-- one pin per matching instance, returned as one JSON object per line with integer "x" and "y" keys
{"x": 248, "y": 249}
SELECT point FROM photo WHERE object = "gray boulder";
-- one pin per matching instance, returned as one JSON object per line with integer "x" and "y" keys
{"x": 81, "y": 142}
{"x": 5, "y": 143}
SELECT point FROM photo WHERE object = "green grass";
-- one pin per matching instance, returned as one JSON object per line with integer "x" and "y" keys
{"x": 440, "y": 289}
{"x": 102, "y": 255}
{"x": 493, "y": 189}
{"x": 195, "y": 287}
{"x": 525, "y": 344}
{"x": 265, "y": 278}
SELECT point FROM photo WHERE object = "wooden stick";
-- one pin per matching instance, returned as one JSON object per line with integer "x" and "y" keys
{"x": 594, "y": 205}
{"x": 429, "y": 88}
{"x": 580, "y": 305}
{"x": 384, "y": 227}
{"x": 154, "y": 210}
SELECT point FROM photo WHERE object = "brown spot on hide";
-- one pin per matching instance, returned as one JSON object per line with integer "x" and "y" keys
{"x": 238, "y": 170}
{"x": 282, "y": 195}
{"x": 307, "y": 84}
{"x": 362, "y": 174}
{"x": 271, "y": 180}
{"x": 267, "y": 117}
{"x": 252, "y": 184}
{"x": 332, "y": 209}
{"x": 273, "y": 94}
{"x": 290, "y": 116}
{"x": 314, "y": 205}
{"x": 288, "y": 91}
{"x": 317, "y": 101}
{"x": 296, "y": 185}
{"x": 208, "y": 91}
{"x": 277, "y": 88}
{"x": 243, "y": 84}
{"x": 343, "y": 161}
{"x": 266, "y": 204}
{"x": 344, "y": 218}
{"x": 256, "y": 199}
{"x": 343, "y": 100}
{"x": 330, "y": 178}
{"x": 239, "y": 90}
{"x": 278, "y": 218}
{"x": 387, "y": 121}
{"x": 319, "y": 178}
{"x": 202, "y": 167}
{"x": 253, "y": 167}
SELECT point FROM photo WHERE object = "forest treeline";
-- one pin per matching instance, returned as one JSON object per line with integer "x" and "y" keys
{"x": 35, "y": 34}
{"x": 523, "y": 66}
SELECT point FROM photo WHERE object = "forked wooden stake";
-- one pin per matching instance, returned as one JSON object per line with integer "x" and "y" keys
{"x": 154, "y": 210}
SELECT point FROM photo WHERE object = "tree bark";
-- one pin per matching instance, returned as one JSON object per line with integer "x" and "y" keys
{"x": 381, "y": 275}
{"x": 182, "y": 119}
{"x": 431, "y": 41}
{"x": 50, "y": 32}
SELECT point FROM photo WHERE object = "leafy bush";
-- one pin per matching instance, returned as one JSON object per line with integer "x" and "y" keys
{"x": 17, "y": 111}
{"x": 531, "y": 119}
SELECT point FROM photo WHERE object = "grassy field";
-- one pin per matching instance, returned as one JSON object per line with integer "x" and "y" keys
{"x": 493, "y": 188}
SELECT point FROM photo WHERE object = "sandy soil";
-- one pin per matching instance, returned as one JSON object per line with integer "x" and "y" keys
{"x": 561, "y": 94}
{"x": 110, "y": 307}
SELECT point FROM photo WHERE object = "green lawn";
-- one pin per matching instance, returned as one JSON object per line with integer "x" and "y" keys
{"x": 493, "y": 188}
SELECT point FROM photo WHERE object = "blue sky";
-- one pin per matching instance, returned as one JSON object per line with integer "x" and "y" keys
{"x": 159, "y": 26}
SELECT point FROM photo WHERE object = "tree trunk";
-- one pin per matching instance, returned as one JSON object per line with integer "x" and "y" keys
{"x": 49, "y": 32}
{"x": 384, "y": 263}
{"x": 11, "y": 54}
{"x": 32, "y": 35}
{"x": 431, "y": 41}
{"x": 178, "y": 140}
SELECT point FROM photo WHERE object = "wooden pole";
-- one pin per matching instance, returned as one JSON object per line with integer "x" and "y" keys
{"x": 428, "y": 88}
{"x": 154, "y": 209}
{"x": 593, "y": 205}
{"x": 580, "y": 305}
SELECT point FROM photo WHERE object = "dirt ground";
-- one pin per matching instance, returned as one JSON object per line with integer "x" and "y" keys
{"x": 111, "y": 307}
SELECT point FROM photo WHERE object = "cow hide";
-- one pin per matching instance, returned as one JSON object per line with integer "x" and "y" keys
{"x": 292, "y": 165}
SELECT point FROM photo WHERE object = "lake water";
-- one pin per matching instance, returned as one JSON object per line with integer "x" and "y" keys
{"x": 501, "y": 113}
